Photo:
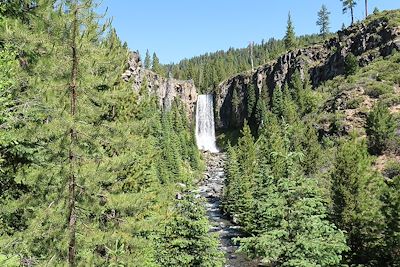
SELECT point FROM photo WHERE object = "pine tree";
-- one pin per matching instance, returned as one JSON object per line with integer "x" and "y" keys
{"x": 391, "y": 211}
{"x": 247, "y": 160}
{"x": 349, "y": 5}
{"x": 277, "y": 102}
{"x": 356, "y": 192}
{"x": 259, "y": 114}
{"x": 290, "y": 37}
{"x": 250, "y": 100}
{"x": 230, "y": 196}
{"x": 186, "y": 241}
{"x": 294, "y": 218}
{"x": 156, "y": 64}
{"x": 380, "y": 128}
{"x": 147, "y": 60}
{"x": 323, "y": 20}
{"x": 296, "y": 86}
{"x": 127, "y": 156}
{"x": 289, "y": 109}
{"x": 350, "y": 64}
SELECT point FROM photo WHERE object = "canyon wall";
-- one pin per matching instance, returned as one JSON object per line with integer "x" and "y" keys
{"x": 367, "y": 41}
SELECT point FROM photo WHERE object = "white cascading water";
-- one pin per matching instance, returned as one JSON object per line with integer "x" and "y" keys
{"x": 205, "y": 128}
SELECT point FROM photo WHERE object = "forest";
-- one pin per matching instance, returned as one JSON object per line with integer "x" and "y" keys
{"x": 94, "y": 173}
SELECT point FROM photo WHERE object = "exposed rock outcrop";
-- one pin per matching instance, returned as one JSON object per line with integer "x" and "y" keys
{"x": 323, "y": 62}
{"x": 166, "y": 89}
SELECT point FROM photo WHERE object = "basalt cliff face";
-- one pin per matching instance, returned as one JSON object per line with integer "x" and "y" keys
{"x": 166, "y": 89}
{"x": 368, "y": 41}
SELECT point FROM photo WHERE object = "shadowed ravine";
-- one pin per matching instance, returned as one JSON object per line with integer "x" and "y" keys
{"x": 211, "y": 189}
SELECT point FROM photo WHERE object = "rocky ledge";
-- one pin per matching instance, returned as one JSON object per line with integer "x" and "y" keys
{"x": 166, "y": 89}
{"x": 368, "y": 40}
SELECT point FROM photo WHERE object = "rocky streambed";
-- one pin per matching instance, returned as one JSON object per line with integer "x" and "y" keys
{"x": 211, "y": 188}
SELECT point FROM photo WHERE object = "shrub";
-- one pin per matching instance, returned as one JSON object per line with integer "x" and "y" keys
{"x": 393, "y": 145}
{"x": 380, "y": 128}
{"x": 392, "y": 169}
{"x": 354, "y": 103}
{"x": 350, "y": 64}
{"x": 390, "y": 99}
{"x": 375, "y": 89}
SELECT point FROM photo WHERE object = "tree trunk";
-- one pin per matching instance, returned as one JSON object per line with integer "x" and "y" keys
{"x": 73, "y": 140}
{"x": 251, "y": 55}
{"x": 352, "y": 15}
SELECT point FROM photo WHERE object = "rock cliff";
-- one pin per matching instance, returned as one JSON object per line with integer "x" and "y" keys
{"x": 166, "y": 89}
{"x": 368, "y": 41}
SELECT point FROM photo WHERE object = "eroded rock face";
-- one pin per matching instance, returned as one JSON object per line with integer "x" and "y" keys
{"x": 167, "y": 89}
{"x": 323, "y": 62}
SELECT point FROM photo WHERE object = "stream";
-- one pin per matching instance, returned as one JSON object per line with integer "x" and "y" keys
{"x": 211, "y": 189}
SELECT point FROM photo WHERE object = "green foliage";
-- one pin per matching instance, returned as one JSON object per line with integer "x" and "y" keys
{"x": 380, "y": 128}
{"x": 235, "y": 100}
{"x": 290, "y": 37}
{"x": 185, "y": 241}
{"x": 130, "y": 155}
{"x": 349, "y": 5}
{"x": 323, "y": 20}
{"x": 341, "y": 189}
{"x": 376, "y": 89}
{"x": 210, "y": 69}
{"x": 156, "y": 66}
{"x": 250, "y": 100}
{"x": 392, "y": 169}
{"x": 240, "y": 178}
{"x": 356, "y": 192}
{"x": 391, "y": 211}
{"x": 277, "y": 102}
{"x": 287, "y": 222}
{"x": 147, "y": 60}
{"x": 350, "y": 64}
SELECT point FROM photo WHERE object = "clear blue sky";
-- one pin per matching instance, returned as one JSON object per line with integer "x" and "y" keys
{"x": 177, "y": 29}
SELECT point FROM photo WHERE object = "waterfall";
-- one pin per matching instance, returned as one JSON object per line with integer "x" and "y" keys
{"x": 205, "y": 129}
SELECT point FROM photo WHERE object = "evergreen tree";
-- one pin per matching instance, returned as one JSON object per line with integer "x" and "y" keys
{"x": 186, "y": 241}
{"x": 235, "y": 106}
{"x": 296, "y": 86}
{"x": 289, "y": 109}
{"x": 380, "y": 128}
{"x": 296, "y": 220}
{"x": 127, "y": 156}
{"x": 247, "y": 158}
{"x": 350, "y": 64}
{"x": 349, "y": 5}
{"x": 230, "y": 196}
{"x": 250, "y": 99}
{"x": 356, "y": 192}
{"x": 277, "y": 102}
{"x": 312, "y": 151}
{"x": 147, "y": 60}
{"x": 156, "y": 64}
{"x": 323, "y": 20}
{"x": 259, "y": 115}
{"x": 290, "y": 37}
{"x": 235, "y": 100}
{"x": 391, "y": 211}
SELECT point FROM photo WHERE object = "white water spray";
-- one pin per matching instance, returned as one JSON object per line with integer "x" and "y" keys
{"x": 205, "y": 128}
